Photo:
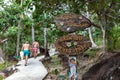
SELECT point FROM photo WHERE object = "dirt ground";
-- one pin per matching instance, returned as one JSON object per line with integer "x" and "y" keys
{"x": 57, "y": 70}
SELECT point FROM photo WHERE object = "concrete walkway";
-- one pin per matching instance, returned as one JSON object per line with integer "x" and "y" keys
{"x": 35, "y": 70}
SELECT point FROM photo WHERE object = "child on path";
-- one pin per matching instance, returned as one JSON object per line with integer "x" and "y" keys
{"x": 73, "y": 71}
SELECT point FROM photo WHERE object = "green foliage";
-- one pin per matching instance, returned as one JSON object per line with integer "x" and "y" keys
{"x": 26, "y": 3}
{"x": 11, "y": 31}
{"x": 11, "y": 34}
{"x": 115, "y": 32}
{"x": 47, "y": 10}
{"x": 91, "y": 53}
{"x": 4, "y": 65}
{"x": 115, "y": 37}
{"x": 1, "y": 78}
{"x": 56, "y": 71}
{"x": 11, "y": 46}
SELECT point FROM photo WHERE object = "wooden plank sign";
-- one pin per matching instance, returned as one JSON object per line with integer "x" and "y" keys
{"x": 70, "y": 22}
{"x": 72, "y": 44}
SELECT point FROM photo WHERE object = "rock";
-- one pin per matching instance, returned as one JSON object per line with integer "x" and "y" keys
{"x": 8, "y": 71}
{"x": 35, "y": 70}
{"x": 1, "y": 56}
{"x": 108, "y": 69}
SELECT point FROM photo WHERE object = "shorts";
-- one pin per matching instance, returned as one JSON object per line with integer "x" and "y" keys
{"x": 26, "y": 53}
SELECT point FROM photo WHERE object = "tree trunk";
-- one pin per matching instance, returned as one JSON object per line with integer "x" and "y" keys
{"x": 33, "y": 32}
{"x": 18, "y": 37}
{"x": 91, "y": 39}
{"x": 103, "y": 24}
{"x": 21, "y": 2}
{"x": 103, "y": 41}
{"x": 45, "y": 41}
{"x": 89, "y": 29}
{"x": 103, "y": 37}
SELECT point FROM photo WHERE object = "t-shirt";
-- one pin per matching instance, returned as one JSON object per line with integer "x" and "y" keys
{"x": 73, "y": 70}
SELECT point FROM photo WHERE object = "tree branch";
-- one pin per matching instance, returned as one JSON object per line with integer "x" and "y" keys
{"x": 97, "y": 26}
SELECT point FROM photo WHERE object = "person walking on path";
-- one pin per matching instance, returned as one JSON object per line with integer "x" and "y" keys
{"x": 26, "y": 49}
{"x": 35, "y": 48}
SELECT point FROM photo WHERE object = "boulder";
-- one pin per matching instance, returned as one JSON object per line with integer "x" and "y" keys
{"x": 108, "y": 69}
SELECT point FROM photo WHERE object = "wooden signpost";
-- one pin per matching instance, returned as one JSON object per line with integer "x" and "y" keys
{"x": 72, "y": 45}
{"x": 71, "y": 22}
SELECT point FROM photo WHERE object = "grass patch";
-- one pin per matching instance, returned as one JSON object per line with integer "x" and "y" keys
{"x": 55, "y": 60}
{"x": 4, "y": 65}
{"x": 1, "y": 78}
{"x": 91, "y": 53}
